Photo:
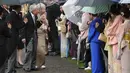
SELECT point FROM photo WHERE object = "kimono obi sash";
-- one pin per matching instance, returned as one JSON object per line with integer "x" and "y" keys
{"x": 127, "y": 37}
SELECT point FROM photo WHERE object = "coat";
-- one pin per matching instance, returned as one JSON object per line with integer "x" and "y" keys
{"x": 53, "y": 12}
{"x": 4, "y": 34}
{"x": 30, "y": 28}
{"x": 17, "y": 23}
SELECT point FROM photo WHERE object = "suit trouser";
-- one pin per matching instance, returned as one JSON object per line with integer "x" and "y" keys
{"x": 2, "y": 69}
{"x": 30, "y": 56}
{"x": 11, "y": 63}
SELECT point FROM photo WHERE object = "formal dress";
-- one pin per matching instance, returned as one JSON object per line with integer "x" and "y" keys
{"x": 4, "y": 34}
{"x": 124, "y": 45}
{"x": 113, "y": 42}
{"x": 42, "y": 45}
{"x": 31, "y": 42}
{"x": 95, "y": 45}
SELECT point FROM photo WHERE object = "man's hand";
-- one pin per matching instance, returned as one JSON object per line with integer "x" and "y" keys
{"x": 25, "y": 20}
{"x": 9, "y": 25}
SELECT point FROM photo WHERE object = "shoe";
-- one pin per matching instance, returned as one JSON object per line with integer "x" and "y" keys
{"x": 43, "y": 67}
{"x": 73, "y": 58}
{"x": 88, "y": 68}
{"x": 26, "y": 70}
{"x": 35, "y": 69}
{"x": 18, "y": 65}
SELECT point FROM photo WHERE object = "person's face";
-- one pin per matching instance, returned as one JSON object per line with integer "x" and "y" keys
{"x": 6, "y": 6}
{"x": 90, "y": 17}
{"x": 43, "y": 17}
{"x": 35, "y": 12}
{"x": 42, "y": 11}
{"x": 61, "y": 9}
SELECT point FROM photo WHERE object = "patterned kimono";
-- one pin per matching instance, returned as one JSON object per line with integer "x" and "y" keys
{"x": 124, "y": 46}
{"x": 63, "y": 46}
{"x": 113, "y": 42}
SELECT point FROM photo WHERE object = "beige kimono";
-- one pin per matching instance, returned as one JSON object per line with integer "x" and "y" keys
{"x": 124, "y": 46}
{"x": 111, "y": 32}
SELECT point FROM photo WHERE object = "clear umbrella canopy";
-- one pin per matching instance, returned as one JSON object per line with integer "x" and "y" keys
{"x": 124, "y": 1}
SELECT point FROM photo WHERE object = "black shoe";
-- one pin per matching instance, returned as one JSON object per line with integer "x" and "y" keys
{"x": 19, "y": 65}
{"x": 34, "y": 69}
{"x": 26, "y": 70}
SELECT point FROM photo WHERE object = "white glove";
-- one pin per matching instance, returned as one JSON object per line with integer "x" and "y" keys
{"x": 24, "y": 40}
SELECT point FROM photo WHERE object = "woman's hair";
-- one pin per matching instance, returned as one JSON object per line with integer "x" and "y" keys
{"x": 115, "y": 9}
{"x": 125, "y": 12}
{"x": 41, "y": 5}
{"x": 1, "y": 10}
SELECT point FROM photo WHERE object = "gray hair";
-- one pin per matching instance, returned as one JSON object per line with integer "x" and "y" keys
{"x": 41, "y": 5}
{"x": 33, "y": 7}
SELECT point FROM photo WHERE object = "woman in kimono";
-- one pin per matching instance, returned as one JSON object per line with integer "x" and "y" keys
{"x": 123, "y": 53}
{"x": 112, "y": 38}
{"x": 42, "y": 35}
{"x": 83, "y": 37}
{"x": 62, "y": 28}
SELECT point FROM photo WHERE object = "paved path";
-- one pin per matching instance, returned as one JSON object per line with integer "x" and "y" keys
{"x": 56, "y": 65}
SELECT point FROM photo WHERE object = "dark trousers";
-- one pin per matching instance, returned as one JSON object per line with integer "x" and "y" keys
{"x": 87, "y": 57}
{"x": 11, "y": 63}
{"x": 83, "y": 49}
{"x": 3, "y": 68}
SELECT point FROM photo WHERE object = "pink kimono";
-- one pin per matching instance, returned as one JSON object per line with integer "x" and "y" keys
{"x": 112, "y": 41}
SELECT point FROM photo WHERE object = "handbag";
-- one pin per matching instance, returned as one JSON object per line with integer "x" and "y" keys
{"x": 102, "y": 37}
{"x": 68, "y": 34}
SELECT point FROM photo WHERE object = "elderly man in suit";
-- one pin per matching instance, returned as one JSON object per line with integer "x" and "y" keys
{"x": 4, "y": 34}
{"x": 31, "y": 38}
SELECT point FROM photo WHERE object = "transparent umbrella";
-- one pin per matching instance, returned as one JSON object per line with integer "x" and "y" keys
{"x": 124, "y": 1}
{"x": 72, "y": 12}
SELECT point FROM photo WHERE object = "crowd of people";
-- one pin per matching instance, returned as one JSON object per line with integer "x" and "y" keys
{"x": 103, "y": 39}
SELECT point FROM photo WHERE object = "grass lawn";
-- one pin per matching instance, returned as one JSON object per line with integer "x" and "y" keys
{"x": 80, "y": 64}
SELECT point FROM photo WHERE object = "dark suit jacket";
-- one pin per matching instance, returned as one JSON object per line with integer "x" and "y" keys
{"x": 6, "y": 13}
{"x": 17, "y": 24}
{"x": 30, "y": 28}
{"x": 4, "y": 34}
{"x": 53, "y": 12}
